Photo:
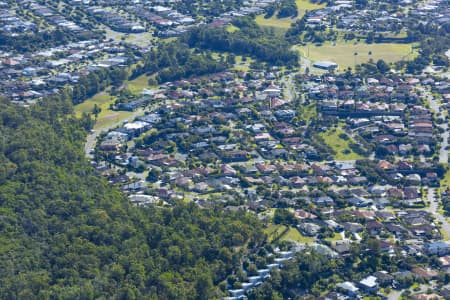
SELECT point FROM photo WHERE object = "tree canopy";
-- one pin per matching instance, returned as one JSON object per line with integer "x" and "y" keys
{"x": 67, "y": 234}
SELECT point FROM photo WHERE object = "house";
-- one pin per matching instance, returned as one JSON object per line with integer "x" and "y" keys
{"x": 353, "y": 227}
{"x": 272, "y": 91}
{"x": 333, "y": 296}
{"x": 445, "y": 263}
{"x": 302, "y": 214}
{"x": 373, "y": 227}
{"x": 437, "y": 248}
{"x": 333, "y": 225}
{"x": 309, "y": 229}
{"x": 427, "y": 297}
{"x": 384, "y": 278}
{"x": 324, "y": 201}
{"x": 369, "y": 284}
{"x": 348, "y": 288}
{"x": 110, "y": 146}
{"x": 425, "y": 273}
{"x": 359, "y": 201}
{"x": 342, "y": 247}
{"x": 136, "y": 128}
{"x": 237, "y": 294}
{"x": 135, "y": 187}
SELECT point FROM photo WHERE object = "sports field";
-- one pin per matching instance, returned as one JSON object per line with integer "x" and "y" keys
{"x": 343, "y": 53}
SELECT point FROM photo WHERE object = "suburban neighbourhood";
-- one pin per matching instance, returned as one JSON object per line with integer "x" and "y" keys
{"x": 343, "y": 158}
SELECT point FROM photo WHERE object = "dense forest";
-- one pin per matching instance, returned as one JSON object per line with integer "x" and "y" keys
{"x": 67, "y": 234}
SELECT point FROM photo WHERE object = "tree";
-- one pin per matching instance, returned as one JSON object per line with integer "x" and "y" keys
{"x": 96, "y": 111}
{"x": 284, "y": 216}
{"x": 382, "y": 66}
{"x": 52, "y": 201}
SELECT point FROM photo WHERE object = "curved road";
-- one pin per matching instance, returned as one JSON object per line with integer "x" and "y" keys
{"x": 436, "y": 107}
{"x": 433, "y": 208}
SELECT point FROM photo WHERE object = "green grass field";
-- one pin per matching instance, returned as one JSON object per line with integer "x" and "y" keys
{"x": 308, "y": 112}
{"x": 106, "y": 117}
{"x": 273, "y": 231}
{"x": 295, "y": 235}
{"x": 137, "y": 85}
{"x": 336, "y": 237}
{"x": 273, "y": 21}
{"x": 232, "y": 28}
{"x": 338, "y": 144}
{"x": 445, "y": 182}
{"x": 102, "y": 100}
{"x": 343, "y": 53}
{"x": 285, "y": 23}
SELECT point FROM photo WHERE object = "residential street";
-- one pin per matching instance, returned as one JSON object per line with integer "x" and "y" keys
{"x": 443, "y": 154}
{"x": 436, "y": 107}
{"x": 434, "y": 207}
{"x": 289, "y": 86}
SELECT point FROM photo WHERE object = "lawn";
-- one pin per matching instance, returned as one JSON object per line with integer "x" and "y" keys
{"x": 273, "y": 231}
{"x": 338, "y": 144}
{"x": 273, "y": 21}
{"x": 143, "y": 39}
{"x": 232, "y": 28}
{"x": 242, "y": 65}
{"x": 342, "y": 53}
{"x": 106, "y": 117}
{"x": 102, "y": 100}
{"x": 295, "y": 235}
{"x": 336, "y": 237}
{"x": 285, "y": 23}
{"x": 137, "y": 85}
{"x": 308, "y": 112}
{"x": 444, "y": 235}
{"x": 445, "y": 182}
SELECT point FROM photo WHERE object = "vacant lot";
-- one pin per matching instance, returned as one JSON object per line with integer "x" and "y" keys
{"x": 343, "y": 53}
{"x": 340, "y": 145}
{"x": 285, "y": 23}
